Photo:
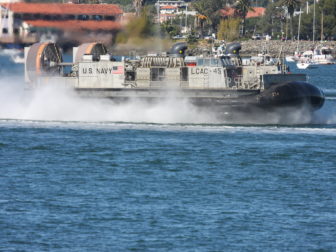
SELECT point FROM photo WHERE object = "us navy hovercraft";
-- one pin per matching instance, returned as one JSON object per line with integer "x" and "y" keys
{"x": 224, "y": 80}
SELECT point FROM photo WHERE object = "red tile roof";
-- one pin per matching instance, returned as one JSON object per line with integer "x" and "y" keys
{"x": 227, "y": 12}
{"x": 58, "y": 8}
{"x": 258, "y": 11}
{"x": 77, "y": 24}
{"x": 168, "y": 7}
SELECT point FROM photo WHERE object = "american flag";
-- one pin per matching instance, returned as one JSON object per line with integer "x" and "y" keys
{"x": 118, "y": 70}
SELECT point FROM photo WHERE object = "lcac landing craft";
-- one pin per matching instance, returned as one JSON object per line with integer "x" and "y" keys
{"x": 213, "y": 82}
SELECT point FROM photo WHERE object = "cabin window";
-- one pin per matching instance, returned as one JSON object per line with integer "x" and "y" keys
{"x": 157, "y": 74}
{"x": 16, "y": 31}
{"x": 184, "y": 74}
{"x": 214, "y": 62}
{"x": 206, "y": 62}
{"x": 17, "y": 16}
{"x": 326, "y": 51}
{"x": 199, "y": 62}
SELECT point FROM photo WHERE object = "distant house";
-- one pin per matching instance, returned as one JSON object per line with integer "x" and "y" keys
{"x": 12, "y": 1}
{"x": 258, "y": 12}
{"x": 171, "y": 9}
{"x": 18, "y": 19}
{"x": 176, "y": 3}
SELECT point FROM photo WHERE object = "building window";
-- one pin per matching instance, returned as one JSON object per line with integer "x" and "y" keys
{"x": 37, "y": 16}
{"x": 69, "y": 17}
{"x": 16, "y": 31}
{"x": 46, "y": 17}
{"x": 4, "y": 30}
{"x": 83, "y": 17}
{"x": 28, "y": 16}
{"x": 56, "y": 17}
{"x": 97, "y": 17}
{"x": 111, "y": 18}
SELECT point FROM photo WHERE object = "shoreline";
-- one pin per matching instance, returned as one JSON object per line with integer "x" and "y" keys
{"x": 288, "y": 47}
{"x": 249, "y": 47}
{"x": 273, "y": 47}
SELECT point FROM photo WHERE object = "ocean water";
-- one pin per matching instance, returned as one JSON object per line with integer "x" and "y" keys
{"x": 79, "y": 175}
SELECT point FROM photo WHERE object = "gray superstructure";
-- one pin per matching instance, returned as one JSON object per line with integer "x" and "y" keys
{"x": 226, "y": 80}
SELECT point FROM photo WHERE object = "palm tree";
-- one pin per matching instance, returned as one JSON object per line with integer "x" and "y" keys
{"x": 209, "y": 10}
{"x": 242, "y": 7}
{"x": 200, "y": 7}
{"x": 291, "y": 5}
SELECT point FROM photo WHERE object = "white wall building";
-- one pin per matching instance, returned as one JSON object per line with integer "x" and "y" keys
{"x": 9, "y": 26}
{"x": 168, "y": 10}
{"x": 177, "y": 3}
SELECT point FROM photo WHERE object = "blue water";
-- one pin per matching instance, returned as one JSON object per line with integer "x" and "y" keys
{"x": 88, "y": 184}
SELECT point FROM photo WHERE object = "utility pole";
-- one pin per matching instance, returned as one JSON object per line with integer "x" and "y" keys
{"x": 158, "y": 11}
{"x": 322, "y": 37}
{"x": 298, "y": 37}
{"x": 186, "y": 18}
{"x": 314, "y": 22}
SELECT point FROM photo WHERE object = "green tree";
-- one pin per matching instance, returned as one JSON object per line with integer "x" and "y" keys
{"x": 329, "y": 21}
{"x": 242, "y": 7}
{"x": 228, "y": 29}
{"x": 171, "y": 29}
{"x": 328, "y": 8}
{"x": 141, "y": 27}
{"x": 210, "y": 9}
{"x": 272, "y": 21}
{"x": 291, "y": 5}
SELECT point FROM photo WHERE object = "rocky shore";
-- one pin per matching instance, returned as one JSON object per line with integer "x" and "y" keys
{"x": 273, "y": 47}
{"x": 250, "y": 47}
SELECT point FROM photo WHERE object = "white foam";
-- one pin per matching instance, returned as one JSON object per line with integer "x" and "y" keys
{"x": 59, "y": 104}
{"x": 212, "y": 128}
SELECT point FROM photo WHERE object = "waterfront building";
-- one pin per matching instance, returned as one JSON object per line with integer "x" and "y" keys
{"x": 19, "y": 21}
{"x": 170, "y": 9}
